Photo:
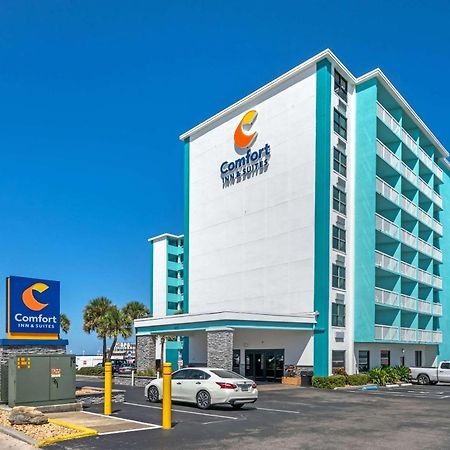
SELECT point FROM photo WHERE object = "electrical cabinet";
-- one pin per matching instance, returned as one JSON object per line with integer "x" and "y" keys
{"x": 41, "y": 380}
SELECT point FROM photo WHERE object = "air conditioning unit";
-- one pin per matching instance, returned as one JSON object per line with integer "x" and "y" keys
{"x": 340, "y": 260}
{"x": 340, "y": 221}
{"x": 340, "y": 335}
{"x": 341, "y": 182}
{"x": 340, "y": 298}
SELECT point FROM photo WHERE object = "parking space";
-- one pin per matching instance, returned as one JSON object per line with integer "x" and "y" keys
{"x": 290, "y": 418}
{"x": 436, "y": 392}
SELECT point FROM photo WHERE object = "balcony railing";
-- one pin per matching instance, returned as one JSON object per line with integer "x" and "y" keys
{"x": 387, "y": 155}
{"x": 437, "y": 337}
{"x": 387, "y": 191}
{"x": 408, "y": 238}
{"x": 408, "y": 334}
{"x": 424, "y": 307}
{"x": 425, "y": 277}
{"x": 437, "y": 282}
{"x": 425, "y": 335}
{"x": 425, "y": 218}
{"x": 425, "y": 247}
{"x": 386, "y": 226}
{"x": 408, "y": 302}
{"x": 438, "y": 227}
{"x": 388, "y": 119}
{"x": 408, "y": 270}
{"x": 437, "y": 309}
{"x": 386, "y": 262}
{"x": 386, "y": 333}
{"x": 437, "y": 254}
{"x": 384, "y": 297}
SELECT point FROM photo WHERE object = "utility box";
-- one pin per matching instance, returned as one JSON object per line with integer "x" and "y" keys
{"x": 41, "y": 380}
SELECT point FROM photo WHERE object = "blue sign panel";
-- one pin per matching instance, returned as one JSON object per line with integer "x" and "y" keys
{"x": 33, "y": 306}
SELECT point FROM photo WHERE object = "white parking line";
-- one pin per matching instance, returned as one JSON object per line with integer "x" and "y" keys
{"x": 278, "y": 410}
{"x": 182, "y": 411}
{"x": 126, "y": 420}
{"x": 127, "y": 431}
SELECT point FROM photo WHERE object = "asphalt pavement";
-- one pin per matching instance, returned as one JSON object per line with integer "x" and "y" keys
{"x": 413, "y": 417}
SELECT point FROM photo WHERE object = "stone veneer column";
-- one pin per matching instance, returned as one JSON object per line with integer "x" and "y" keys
{"x": 219, "y": 348}
{"x": 145, "y": 352}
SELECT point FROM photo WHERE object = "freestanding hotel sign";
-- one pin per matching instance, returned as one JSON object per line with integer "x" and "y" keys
{"x": 32, "y": 308}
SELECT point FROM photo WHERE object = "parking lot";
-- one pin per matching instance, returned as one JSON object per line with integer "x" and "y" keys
{"x": 411, "y": 417}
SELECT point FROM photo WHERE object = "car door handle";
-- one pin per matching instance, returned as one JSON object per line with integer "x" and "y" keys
{"x": 198, "y": 382}
{"x": 178, "y": 382}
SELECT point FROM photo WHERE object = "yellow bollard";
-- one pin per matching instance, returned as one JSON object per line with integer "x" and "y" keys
{"x": 167, "y": 397}
{"x": 108, "y": 388}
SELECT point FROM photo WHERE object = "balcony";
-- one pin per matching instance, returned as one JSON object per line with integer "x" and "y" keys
{"x": 438, "y": 227}
{"x": 386, "y": 333}
{"x": 384, "y": 297}
{"x": 437, "y": 254}
{"x": 424, "y": 336}
{"x": 386, "y": 226}
{"x": 386, "y": 262}
{"x": 408, "y": 270}
{"x": 408, "y": 238}
{"x": 175, "y": 266}
{"x": 437, "y": 337}
{"x": 408, "y": 334}
{"x": 437, "y": 309}
{"x": 387, "y": 191}
{"x": 437, "y": 282}
{"x": 387, "y": 118}
{"x": 425, "y": 277}
{"x": 425, "y": 247}
{"x": 387, "y": 155}
{"x": 424, "y": 307}
{"x": 408, "y": 302}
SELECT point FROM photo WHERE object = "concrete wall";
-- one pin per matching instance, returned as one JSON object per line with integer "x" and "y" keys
{"x": 159, "y": 283}
{"x": 428, "y": 354}
{"x": 251, "y": 245}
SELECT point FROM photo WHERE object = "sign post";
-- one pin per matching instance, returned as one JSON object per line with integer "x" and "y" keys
{"x": 167, "y": 397}
{"x": 108, "y": 388}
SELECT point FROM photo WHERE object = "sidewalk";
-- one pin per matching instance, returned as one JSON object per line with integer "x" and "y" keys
{"x": 9, "y": 443}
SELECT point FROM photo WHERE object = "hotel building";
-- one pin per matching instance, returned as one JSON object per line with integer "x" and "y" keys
{"x": 315, "y": 231}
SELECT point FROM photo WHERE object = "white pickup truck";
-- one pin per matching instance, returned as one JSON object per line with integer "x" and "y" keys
{"x": 431, "y": 375}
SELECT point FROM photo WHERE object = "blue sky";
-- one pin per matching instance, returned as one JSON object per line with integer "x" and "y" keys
{"x": 94, "y": 94}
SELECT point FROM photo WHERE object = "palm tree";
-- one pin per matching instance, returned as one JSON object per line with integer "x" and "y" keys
{"x": 94, "y": 319}
{"x": 135, "y": 310}
{"x": 64, "y": 323}
{"x": 116, "y": 324}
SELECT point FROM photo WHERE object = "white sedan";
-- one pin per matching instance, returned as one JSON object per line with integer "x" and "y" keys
{"x": 205, "y": 387}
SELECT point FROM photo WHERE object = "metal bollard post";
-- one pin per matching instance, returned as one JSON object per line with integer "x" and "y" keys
{"x": 108, "y": 388}
{"x": 167, "y": 397}
{"x": 132, "y": 377}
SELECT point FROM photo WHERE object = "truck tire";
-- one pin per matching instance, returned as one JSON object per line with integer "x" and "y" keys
{"x": 423, "y": 378}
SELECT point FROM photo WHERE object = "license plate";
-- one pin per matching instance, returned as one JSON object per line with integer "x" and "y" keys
{"x": 244, "y": 387}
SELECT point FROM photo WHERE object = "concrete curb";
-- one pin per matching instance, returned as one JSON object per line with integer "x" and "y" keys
{"x": 82, "y": 432}
{"x": 17, "y": 435}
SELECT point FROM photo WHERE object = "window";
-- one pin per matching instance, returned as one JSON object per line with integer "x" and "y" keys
{"x": 418, "y": 358}
{"x": 339, "y": 162}
{"x": 226, "y": 373}
{"x": 338, "y": 238}
{"x": 339, "y": 200}
{"x": 337, "y": 315}
{"x": 363, "y": 361}
{"x": 340, "y": 85}
{"x": 340, "y": 124}
{"x": 172, "y": 290}
{"x": 195, "y": 374}
{"x": 171, "y": 274}
{"x": 172, "y": 258}
{"x": 180, "y": 375}
{"x": 338, "y": 359}
{"x": 385, "y": 358}
{"x": 236, "y": 360}
{"x": 445, "y": 365}
{"x": 338, "y": 277}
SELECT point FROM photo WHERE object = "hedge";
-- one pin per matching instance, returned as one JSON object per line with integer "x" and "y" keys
{"x": 329, "y": 382}
{"x": 359, "y": 379}
{"x": 91, "y": 371}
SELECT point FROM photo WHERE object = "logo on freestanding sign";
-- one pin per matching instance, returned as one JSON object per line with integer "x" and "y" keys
{"x": 32, "y": 308}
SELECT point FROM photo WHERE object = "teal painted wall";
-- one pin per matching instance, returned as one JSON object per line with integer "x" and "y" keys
{"x": 365, "y": 206}
{"x": 186, "y": 226}
{"x": 444, "y": 321}
{"x": 322, "y": 217}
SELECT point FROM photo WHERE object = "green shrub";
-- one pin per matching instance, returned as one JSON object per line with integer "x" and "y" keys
{"x": 91, "y": 371}
{"x": 340, "y": 371}
{"x": 403, "y": 373}
{"x": 358, "y": 379}
{"x": 378, "y": 375}
{"x": 329, "y": 382}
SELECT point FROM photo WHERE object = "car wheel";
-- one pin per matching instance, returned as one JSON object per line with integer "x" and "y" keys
{"x": 237, "y": 405}
{"x": 203, "y": 400}
{"x": 153, "y": 394}
{"x": 423, "y": 378}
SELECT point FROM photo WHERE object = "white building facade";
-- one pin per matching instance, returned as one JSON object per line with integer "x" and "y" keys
{"x": 307, "y": 242}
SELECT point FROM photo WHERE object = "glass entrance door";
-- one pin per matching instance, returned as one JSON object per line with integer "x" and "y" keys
{"x": 264, "y": 365}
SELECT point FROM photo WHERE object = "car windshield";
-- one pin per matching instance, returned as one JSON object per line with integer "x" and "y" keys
{"x": 226, "y": 374}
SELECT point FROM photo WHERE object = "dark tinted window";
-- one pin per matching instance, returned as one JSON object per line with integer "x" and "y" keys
{"x": 445, "y": 366}
{"x": 179, "y": 375}
{"x": 195, "y": 374}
